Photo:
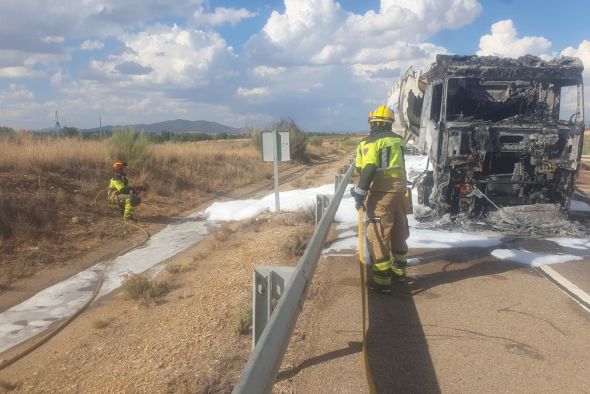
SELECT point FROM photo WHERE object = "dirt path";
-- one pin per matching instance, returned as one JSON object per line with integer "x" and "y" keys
{"x": 188, "y": 341}
{"x": 467, "y": 323}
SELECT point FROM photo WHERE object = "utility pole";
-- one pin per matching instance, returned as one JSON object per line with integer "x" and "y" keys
{"x": 57, "y": 130}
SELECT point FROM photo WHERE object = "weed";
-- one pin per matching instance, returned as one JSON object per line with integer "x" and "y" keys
{"x": 303, "y": 215}
{"x": 223, "y": 234}
{"x": 175, "y": 268}
{"x": 100, "y": 324}
{"x": 315, "y": 140}
{"x": 244, "y": 321}
{"x": 296, "y": 244}
{"x": 139, "y": 287}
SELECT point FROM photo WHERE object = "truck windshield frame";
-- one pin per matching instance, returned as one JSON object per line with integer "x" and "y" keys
{"x": 474, "y": 99}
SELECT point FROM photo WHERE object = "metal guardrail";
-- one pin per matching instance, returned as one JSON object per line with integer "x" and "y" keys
{"x": 261, "y": 369}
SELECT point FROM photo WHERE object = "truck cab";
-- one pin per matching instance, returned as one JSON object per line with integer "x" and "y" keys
{"x": 509, "y": 130}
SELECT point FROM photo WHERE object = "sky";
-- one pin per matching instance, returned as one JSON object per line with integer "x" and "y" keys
{"x": 323, "y": 63}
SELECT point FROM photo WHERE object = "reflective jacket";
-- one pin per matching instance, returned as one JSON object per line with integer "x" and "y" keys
{"x": 119, "y": 185}
{"x": 382, "y": 163}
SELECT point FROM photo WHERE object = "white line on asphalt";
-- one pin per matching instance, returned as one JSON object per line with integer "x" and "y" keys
{"x": 577, "y": 294}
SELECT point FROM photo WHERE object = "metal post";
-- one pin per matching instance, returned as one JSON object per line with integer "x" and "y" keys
{"x": 337, "y": 180}
{"x": 322, "y": 202}
{"x": 275, "y": 157}
{"x": 268, "y": 286}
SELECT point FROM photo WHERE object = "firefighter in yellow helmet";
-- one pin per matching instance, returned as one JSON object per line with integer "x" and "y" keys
{"x": 383, "y": 187}
{"x": 121, "y": 193}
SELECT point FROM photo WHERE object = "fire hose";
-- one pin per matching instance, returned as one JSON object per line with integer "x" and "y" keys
{"x": 6, "y": 363}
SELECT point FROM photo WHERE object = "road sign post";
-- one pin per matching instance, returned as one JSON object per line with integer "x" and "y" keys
{"x": 275, "y": 148}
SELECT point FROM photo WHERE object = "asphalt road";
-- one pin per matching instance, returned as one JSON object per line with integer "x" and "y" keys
{"x": 465, "y": 323}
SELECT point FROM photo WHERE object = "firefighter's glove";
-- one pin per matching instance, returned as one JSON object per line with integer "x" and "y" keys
{"x": 359, "y": 197}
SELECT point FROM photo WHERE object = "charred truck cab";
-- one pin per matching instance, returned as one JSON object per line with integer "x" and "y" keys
{"x": 510, "y": 129}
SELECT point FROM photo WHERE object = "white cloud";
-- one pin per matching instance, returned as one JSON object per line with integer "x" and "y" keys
{"x": 20, "y": 72}
{"x": 164, "y": 55}
{"x": 90, "y": 45}
{"x": 53, "y": 39}
{"x": 322, "y": 31}
{"x": 221, "y": 16}
{"x": 265, "y": 71}
{"x": 504, "y": 41}
{"x": 252, "y": 91}
{"x": 583, "y": 52}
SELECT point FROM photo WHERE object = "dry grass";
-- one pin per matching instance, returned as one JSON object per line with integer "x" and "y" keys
{"x": 332, "y": 145}
{"x": 176, "y": 268}
{"x": 44, "y": 184}
{"x": 100, "y": 324}
{"x": 140, "y": 287}
{"x": 295, "y": 245}
{"x": 244, "y": 321}
{"x": 210, "y": 166}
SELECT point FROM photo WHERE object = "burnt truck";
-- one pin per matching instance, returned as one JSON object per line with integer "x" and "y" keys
{"x": 497, "y": 131}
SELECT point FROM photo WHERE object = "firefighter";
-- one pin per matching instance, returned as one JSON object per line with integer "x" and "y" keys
{"x": 121, "y": 194}
{"x": 383, "y": 187}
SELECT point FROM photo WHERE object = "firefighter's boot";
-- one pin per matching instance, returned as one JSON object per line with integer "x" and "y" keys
{"x": 398, "y": 267}
{"x": 380, "y": 280}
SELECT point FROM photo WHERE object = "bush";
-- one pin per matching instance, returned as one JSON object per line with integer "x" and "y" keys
{"x": 297, "y": 138}
{"x": 315, "y": 141}
{"x": 295, "y": 245}
{"x": 131, "y": 146}
{"x": 139, "y": 287}
{"x": 244, "y": 321}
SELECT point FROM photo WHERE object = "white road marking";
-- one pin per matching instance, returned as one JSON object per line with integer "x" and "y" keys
{"x": 573, "y": 291}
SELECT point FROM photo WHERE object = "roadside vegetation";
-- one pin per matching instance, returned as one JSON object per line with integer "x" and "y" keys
{"x": 51, "y": 208}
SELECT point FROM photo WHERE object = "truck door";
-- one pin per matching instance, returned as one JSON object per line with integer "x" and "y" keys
{"x": 429, "y": 125}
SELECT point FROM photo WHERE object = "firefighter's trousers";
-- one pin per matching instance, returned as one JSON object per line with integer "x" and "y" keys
{"x": 387, "y": 233}
{"x": 126, "y": 204}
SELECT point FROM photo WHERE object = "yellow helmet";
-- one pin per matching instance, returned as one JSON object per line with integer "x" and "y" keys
{"x": 381, "y": 114}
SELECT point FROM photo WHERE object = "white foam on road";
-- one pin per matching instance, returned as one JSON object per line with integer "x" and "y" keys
{"x": 573, "y": 243}
{"x": 533, "y": 259}
{"x": 63, "y": 299}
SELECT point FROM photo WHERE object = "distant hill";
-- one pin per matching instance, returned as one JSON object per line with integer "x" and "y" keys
{"x": 176, "y": 126}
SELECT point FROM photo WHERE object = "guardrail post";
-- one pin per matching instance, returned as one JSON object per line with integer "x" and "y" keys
{"x": 267, "y": 287}
{"x": 322, "y": 202}
{"x": 337, "y": 180}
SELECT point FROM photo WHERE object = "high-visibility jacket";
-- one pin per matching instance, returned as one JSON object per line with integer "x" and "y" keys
{"x": 382, "y": 162}
{"x": 119, "y": 185}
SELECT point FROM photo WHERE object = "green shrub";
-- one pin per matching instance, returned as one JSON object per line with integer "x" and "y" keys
{"x": 131, "y": 146}
{"x": 297, "y": 138}
{"x": 244, "y": 321}
{"x": 315, "y": 141}
{"x": 139, "y": 287}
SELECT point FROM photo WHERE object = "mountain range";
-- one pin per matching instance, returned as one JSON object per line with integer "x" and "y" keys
{"x": 176, "y": 126}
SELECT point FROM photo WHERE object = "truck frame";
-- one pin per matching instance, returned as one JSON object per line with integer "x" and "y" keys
{"x": 509, "y": 130}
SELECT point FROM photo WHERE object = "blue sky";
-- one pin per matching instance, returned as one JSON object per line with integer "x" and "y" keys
{"x": 323, "y": 63}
